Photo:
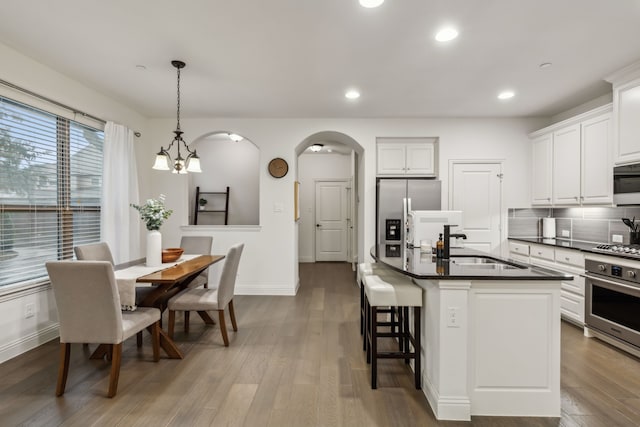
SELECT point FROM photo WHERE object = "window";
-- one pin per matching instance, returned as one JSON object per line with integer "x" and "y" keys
{"x": 50, "y": 189}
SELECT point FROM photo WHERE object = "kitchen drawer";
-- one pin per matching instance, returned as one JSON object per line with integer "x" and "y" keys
{"x": 519, "y": 258}
{"x": 519, "y": 248}
{"x": 570, "y": 257}
{"x": 572, "y": 307}
{"x": 544, "y": 252}
{"x": 575, "y": 286}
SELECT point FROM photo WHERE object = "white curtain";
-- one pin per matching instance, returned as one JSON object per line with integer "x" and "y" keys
{"x": 120, "y": 224}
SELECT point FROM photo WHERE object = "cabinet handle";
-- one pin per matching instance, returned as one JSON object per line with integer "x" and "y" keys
{"x": 566, "y": 258}
{"x": 549, "y": 198}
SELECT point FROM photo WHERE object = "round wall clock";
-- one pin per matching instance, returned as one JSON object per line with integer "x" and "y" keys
{"x": 278, "y": 167}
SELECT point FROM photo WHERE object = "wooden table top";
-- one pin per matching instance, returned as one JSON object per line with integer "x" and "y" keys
{"x": 180, "y": 271}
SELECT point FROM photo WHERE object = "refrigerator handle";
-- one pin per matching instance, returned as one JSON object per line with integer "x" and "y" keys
{"x": 404, "y": 236}
{"x": 408, "y": 205}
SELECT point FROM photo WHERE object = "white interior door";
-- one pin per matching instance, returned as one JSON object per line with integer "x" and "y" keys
{"x": 475, "y": 189}
{"x": 331, "y": 220}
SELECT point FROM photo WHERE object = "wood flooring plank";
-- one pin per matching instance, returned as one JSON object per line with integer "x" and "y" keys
{"x": 233, "y": 410}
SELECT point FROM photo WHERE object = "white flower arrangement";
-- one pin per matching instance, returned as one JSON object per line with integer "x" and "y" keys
{"x": 153, "y": 212}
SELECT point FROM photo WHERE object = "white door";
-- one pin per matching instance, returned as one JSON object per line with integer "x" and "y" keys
{"x": 476, "y": 191}
{"x": 331, "y": 220}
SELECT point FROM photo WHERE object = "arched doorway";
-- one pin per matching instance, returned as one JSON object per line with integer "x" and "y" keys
{"x": 332, "y": 167}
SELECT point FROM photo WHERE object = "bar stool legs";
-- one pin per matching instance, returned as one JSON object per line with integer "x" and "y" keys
{"x": 399, "y": 294}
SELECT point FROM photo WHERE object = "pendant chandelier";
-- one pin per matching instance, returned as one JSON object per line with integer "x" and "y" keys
{"x": 163, "y": 159}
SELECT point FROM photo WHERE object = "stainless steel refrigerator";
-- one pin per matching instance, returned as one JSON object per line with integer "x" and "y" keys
{"x": 394, "y": 198}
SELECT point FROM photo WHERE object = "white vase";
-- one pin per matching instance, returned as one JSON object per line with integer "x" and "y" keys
{"x": 154, "y": 248}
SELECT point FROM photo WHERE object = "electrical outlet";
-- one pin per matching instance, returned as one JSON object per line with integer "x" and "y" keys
{"x": 616, "y": 238}
{"x": 29, "y": 310}
{"x": 453, "y": 317}
{"x": 566, "y": 233}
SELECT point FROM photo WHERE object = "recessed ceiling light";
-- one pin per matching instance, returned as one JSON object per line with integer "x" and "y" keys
{"x": 329, "y": 150}
{"x": 446, "y": 34}
{"x": 371, "y": 3}
{"x": 352, "y": 94}
{"x": 316, "y": 147}
{"x": 545, "y": 65}
{"x": 506, "y": 94}
{"x": 235, "y": 137}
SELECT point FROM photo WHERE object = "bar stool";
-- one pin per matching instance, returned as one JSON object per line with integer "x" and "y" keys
{"x": 392, "y": 292}
{"x": 367, "y": 269}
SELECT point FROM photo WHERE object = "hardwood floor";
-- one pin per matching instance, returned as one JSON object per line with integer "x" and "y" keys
{"x": 295, "y": 361}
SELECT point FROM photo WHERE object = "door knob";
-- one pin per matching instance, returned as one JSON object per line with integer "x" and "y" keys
{"x": 318, "y": 225}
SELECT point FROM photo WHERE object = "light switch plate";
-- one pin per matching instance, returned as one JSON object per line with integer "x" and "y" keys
{"x": 566, "y": 233}
{"x": 616, "y": 238}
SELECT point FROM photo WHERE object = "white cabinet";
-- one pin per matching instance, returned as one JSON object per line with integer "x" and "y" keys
{"x": 596, "y": 167}
{"x": 566, "y": 166}
{"x": 541, "y": 173}
{"x": 570, "y": 261}
{"x": 627, "y": 102}
{"x": 626, "y": 111}
{"x": 406, "y": 158}
{"x": 572, "y": 161}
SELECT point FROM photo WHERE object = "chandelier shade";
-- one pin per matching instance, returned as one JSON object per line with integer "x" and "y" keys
{"x": 178, "y": 165}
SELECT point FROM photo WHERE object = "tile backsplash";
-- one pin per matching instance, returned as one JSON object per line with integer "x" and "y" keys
{"x": 589, "y": 224}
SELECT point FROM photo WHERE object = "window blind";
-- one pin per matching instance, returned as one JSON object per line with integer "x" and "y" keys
{"x": 50, "y": 188}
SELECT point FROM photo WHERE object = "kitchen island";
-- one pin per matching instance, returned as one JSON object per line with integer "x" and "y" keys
{"x": 490, "y": 332}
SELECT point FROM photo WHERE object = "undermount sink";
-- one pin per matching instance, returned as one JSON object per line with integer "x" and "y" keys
{"x": 482, "y": 262}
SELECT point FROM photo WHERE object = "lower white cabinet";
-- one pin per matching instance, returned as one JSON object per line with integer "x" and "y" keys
{"x": 568, "y": 261}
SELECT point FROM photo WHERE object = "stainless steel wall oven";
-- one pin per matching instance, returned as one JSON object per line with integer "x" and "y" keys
{"x": 612, "y": 303}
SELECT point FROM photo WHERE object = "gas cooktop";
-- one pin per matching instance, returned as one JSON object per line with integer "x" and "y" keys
{"x": 619, "y": 249}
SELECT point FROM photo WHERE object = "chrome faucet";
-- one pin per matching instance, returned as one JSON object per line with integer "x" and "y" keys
{"x": 447, "y": 238}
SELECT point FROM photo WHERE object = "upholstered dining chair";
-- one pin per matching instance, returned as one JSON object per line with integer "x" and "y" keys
{"x": 88, "y": 302}
{"x": 202, "y": 299}
{"x": 198, "y": 245}
{"x": 94, "y": 252}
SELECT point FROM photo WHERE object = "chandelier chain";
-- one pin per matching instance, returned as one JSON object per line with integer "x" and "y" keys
{"x": 178, "y": 126}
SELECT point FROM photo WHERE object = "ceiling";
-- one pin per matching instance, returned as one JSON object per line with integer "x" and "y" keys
{"x": 296, "y": 58}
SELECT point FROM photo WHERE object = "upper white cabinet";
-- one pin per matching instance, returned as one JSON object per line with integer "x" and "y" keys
{"x": 572, "y": 161}
{"x": 566, "y": 166}
{"x": 626, "y": 113}
{"x": 410, "y": 156}
{"x": 597, "y": 175}
{"x": 542, "y": 154}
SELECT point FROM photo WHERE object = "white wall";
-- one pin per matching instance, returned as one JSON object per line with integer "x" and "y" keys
{"x": 313, "y": 167}
{"x": 17, "y": 333}
{"x": 233, "y": 164}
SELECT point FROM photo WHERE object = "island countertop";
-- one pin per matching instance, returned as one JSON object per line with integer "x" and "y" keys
{"x": 423, "y": 265}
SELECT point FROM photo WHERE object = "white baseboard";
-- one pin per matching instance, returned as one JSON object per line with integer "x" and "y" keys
{"x": 446, "y": 408}
{"x": 28, "y": 342}
{"x": 306, "y": 259}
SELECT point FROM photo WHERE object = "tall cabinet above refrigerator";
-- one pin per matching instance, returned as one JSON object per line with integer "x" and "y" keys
{"x": 395, "y": 197}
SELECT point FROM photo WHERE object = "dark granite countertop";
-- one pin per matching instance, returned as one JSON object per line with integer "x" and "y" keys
{"x": 412, "y": 262}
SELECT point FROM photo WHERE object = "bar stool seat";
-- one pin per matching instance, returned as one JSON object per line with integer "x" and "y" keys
{"x": 367, "y": 269}
{"x": 392, "y": 291}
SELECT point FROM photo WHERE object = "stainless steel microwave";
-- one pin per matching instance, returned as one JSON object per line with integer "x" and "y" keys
{"x": 626, "y": 184}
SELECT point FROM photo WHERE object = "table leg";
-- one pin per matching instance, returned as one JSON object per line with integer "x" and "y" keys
{"x": 168, "y": 345}
{"x": 100, "y": 352}
{"x": 206, "y": 318}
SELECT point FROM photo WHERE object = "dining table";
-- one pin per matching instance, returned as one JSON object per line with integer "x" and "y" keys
{"x": 164, "y": 282}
